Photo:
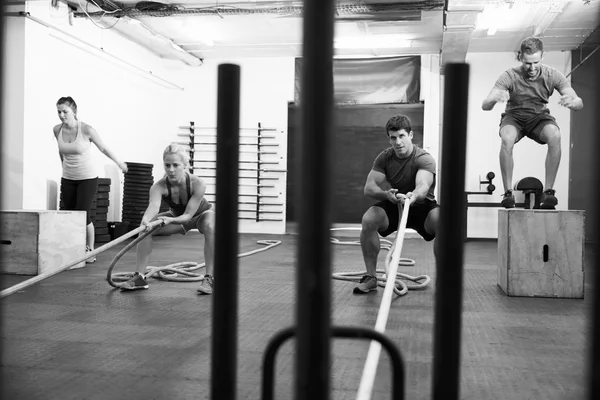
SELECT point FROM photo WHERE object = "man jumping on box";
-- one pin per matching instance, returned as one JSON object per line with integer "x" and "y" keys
{"x": 526, "y": 90}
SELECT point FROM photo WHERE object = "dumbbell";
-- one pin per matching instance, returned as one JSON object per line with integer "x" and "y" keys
{"x": 490, "y": 187}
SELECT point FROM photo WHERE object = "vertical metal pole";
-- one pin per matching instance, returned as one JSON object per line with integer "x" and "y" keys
{"x": 594, "y": 331}
{"x": 313, "y": 202}
{"x": 449, "y": 284}
{"x": 192, "y": 154}
{"x": 225, "y": 307}
{"x": 258, "y": 168}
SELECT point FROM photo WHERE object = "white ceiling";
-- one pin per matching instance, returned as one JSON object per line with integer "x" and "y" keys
{"x": 203, "y": 29}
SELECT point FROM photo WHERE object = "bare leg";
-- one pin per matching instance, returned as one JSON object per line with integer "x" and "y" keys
{"x": 509, "y": 135}
{"x": 90, "y": 237}
{"x": 551, "y": 135}
{"x": 207, "y": 227}
{"x": 374, "y": 219}
{"x": 144, "y": 247}
{"x": 431, "y": 224}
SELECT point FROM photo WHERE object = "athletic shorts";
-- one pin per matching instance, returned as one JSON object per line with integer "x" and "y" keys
{"x": 78, "y": 195}
{"x": 416, "y": 217}
{"x": 529, "y": 125}
{"x": 192, "y": 223}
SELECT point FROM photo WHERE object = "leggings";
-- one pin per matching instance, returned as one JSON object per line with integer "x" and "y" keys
{"x": 78, "y": 195}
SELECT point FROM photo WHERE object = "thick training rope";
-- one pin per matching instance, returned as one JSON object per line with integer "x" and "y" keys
{"x": 400, "y": 287}
{"x": 91, "y": 254}
{"x": 392, "y": 261}
{"x": 178, "y": 272}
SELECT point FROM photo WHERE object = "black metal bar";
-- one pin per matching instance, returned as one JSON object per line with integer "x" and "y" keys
{"x": 582, "y": 61}
{"x": 268, "y": 378}
{"x": 225, "y": 302}
{"x": 268, "y": 370}
{"x": 313, "y": 276}
{"x": 593, "y": 362}
{"x": 492, "y": 205}
{"x": 3, "y": 184}
{"x": 449, "y": 284}
{"x": 192, "y": 129}
{"x": 258, "y": 173}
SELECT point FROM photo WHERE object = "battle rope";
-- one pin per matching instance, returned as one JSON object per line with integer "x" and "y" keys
{"x": 400, "y": 288}
{"x": 178, "y": 272}
{"x": 91, "y": 254}
{"x": 367, "y": 381}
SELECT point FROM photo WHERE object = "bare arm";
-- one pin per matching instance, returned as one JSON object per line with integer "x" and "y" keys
{"x": 423, "y": 182}
{"x": 154, "y": 203}
{"x": 56, "y": 129}
{"x": 496, "y": 95}
{"x": 95, "y": 138}
{"x": 570, "y": 99}
{"x": 376, "y": 181}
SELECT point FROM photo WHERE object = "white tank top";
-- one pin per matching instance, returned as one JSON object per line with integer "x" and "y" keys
{"x": 77, "y": 156}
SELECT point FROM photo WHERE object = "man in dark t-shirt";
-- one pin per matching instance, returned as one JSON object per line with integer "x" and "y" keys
{"x": 526, "y": 90}
{"x": 399, "y": 172}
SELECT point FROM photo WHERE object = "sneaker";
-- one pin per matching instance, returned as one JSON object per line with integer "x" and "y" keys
{"x": 206, "y": 287}
{"x": 548, "y": 200}
{"x": 89, "y": 260}
{"x": 136, "y": 282}
{"x": 366, "y": 284}
{"x": 508, "y": 200}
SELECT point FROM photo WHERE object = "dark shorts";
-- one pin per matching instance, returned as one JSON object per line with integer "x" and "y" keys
{"x": 192, "y": 223}
{"x": 416, "y": 217}
{"x": 529, "y": 125}
{"x": 78, "y": 195}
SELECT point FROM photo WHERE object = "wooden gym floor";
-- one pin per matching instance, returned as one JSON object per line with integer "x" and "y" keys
{"x": 73, "y": 337}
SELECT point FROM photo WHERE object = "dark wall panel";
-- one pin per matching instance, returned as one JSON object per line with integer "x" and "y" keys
{"x": 359, "y": 136}
{"x": 584, "y": 130}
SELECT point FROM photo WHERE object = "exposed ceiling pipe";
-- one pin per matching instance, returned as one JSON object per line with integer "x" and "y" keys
{"x": 145, "y": 37}
{"x": 395, "y": 11}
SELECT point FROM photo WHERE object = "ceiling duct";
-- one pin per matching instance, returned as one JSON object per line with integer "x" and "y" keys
{"x": 398, "y": 11}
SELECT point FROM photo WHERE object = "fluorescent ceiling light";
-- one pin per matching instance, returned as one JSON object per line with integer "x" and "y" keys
{"x": 371, "y": 42}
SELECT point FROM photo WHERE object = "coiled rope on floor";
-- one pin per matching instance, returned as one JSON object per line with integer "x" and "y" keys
{"x": 400, "y": 287}
{"x": 183, "y": 271}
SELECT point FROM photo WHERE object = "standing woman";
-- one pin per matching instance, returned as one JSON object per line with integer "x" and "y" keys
{"x": 79, "y": 180}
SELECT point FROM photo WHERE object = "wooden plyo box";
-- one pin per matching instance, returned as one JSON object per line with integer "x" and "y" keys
{"x": 540, "y": 253}
{"x": 34, "y": 242}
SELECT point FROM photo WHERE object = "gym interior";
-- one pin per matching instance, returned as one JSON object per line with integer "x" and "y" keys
{"x": 148, "y": 74}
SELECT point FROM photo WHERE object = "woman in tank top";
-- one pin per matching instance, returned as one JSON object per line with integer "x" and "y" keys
{"x": 79, "y": 179}
{"x": 188, "y": 209}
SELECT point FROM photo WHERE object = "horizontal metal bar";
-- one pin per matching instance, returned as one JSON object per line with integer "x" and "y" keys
{"x": 261, "y": 219}
{"x": 263, "y": 211}
{"x": 241, "y": 151}
{"x": 273, "y": 196}
{"x": 215, "y": 136}
{"x": 247, "y": 169}
{"x": 241, "y": 144}
{"x": 246, "y": 184}
{"x": 253, "y": 202}
{"x": 240, "y": 161}
{"x": 492, "y": 205}
{"x": 241, "y": 129}
{"x": 266, "y": 178}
